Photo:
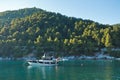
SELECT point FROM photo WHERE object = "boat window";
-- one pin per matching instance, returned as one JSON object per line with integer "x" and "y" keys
{"x": 40, "y": 62}
{"x": 52, "y": 62}
{"x": 47, "y": 63}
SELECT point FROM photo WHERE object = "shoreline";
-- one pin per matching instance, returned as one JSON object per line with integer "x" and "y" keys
{"x": 67, "y": 58}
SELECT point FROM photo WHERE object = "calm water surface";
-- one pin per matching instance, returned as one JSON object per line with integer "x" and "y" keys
{"x": 70, "y": 70}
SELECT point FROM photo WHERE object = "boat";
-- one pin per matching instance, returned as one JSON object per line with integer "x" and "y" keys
{"x": 44, "y": 61}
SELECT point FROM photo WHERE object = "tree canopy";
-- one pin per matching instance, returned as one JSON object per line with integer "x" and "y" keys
{"x": 33, "y": 30}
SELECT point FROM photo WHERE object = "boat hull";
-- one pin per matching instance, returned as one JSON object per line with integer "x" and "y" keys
{"x": 39, "y": 64}
{"x": 42, "y": 64}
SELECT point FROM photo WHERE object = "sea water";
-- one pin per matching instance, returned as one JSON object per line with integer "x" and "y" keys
{"x": 68, "y": 70}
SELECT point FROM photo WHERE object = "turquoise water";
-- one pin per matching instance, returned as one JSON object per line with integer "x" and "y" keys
{"x": 69, "y": 70}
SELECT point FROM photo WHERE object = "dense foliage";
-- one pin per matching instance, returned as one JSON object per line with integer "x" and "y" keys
{"x": 32, "y": 30}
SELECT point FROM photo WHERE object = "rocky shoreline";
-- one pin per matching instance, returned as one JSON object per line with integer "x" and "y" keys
{"x": 66, "y": 58}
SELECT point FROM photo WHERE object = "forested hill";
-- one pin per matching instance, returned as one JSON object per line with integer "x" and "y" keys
{"x": 7, "y": 16}
{"x": 33, "y": 30}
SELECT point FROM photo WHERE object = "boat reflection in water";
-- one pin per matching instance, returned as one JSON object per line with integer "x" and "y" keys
{"x": 42, "y": 72}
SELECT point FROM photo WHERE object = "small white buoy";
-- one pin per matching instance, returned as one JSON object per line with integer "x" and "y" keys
{"x": 81, "y": 64}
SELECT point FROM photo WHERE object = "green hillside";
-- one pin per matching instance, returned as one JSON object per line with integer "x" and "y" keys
{"x": 33, "y": 30}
